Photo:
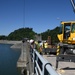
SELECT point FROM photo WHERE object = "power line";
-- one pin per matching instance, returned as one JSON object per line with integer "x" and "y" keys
{"x": 23, "y": 13}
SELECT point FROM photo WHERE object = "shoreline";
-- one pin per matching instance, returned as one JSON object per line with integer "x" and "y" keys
{"x": 9, "y": 42}
{"x": 15, "y": 44}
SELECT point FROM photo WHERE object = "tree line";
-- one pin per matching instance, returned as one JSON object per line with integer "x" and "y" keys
{"x": 21, "y": 33}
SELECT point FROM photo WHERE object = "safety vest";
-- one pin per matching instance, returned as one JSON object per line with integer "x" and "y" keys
{"x": 46, "y": 45}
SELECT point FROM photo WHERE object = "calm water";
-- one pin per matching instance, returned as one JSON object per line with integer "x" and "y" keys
{"x": 8, "y": 60}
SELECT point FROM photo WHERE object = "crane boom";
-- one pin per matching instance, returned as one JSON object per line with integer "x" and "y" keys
{"x": 73, "y": 4}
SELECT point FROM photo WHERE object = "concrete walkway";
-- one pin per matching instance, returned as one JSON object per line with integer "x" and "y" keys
{"x": 64, "y": 68}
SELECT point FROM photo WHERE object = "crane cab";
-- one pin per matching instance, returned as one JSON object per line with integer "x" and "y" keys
{"x": 67, "y": 32}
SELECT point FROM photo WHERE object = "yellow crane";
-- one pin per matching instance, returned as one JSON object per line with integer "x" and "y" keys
{"x": 66, "y": 46}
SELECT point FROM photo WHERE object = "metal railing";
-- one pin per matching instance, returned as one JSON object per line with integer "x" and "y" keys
{"x": 41, "y": 65}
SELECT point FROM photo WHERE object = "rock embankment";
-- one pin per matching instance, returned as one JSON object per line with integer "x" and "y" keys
{"x": 18, "y": 45}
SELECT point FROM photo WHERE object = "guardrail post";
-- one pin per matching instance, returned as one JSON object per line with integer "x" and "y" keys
{"x": 34, "y": 61}
{"x": 56, "y": 62}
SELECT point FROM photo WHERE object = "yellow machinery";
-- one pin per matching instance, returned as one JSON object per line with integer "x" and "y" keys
{"x": 67, "y": 34}
{"x": 66, "y": 47}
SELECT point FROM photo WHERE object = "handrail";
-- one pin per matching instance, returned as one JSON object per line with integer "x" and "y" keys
{"x": 41, "y": 65}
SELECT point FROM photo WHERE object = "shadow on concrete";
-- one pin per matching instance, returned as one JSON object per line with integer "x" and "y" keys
{"x": 51, "y": 56}
{"x": 68, "y": 68}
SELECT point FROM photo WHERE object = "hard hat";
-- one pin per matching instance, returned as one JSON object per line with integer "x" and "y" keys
{"x": 31, "y": 41}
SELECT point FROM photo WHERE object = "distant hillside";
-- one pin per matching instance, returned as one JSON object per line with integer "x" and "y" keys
{"x": 21, "y": 33}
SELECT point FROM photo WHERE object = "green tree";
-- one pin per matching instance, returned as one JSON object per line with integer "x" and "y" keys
{"x": 21, "y": 33}
{"x": 53, "y": 33}
{"x": 3, "y": 37}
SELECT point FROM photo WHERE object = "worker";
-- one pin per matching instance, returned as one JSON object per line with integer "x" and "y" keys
{"x": 36, "y": 45}
{"x": 32, "y": 43}
{"x": 49, "y": 42}
{"x": 40, "y": 47}
{"x": 46, "y": 44}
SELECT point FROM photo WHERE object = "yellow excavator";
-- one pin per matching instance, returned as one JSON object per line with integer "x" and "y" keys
{"x": 66, "y": 46}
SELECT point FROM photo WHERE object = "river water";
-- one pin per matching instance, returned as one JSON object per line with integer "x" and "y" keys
{"x": 8, "y": 60}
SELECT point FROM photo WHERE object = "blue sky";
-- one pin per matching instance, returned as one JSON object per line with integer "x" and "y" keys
{"x": 37, "y": 14}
